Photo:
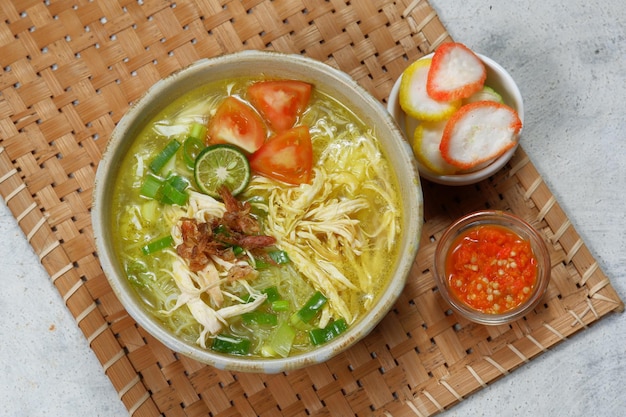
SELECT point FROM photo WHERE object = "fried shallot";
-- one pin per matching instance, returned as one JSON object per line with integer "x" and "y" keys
{"x": 219, "y": 236}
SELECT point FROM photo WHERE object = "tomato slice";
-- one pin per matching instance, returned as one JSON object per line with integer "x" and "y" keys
{"x": 287, "y": 157}
{"x": 280, "y": 102}
{"x": 237, "y": 123}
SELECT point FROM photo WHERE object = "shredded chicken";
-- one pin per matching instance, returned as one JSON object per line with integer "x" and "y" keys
{"x": 206, "y": 258}
{"x": 319, "y": 224}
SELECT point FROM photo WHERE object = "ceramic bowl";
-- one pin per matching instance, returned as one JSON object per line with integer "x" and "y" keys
{"x": 498, "y": 79}
{"x": 251, "y": 63}
{"x": 447, "y": 243}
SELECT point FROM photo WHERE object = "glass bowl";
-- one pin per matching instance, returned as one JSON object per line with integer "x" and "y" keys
{"x": 502, "y": 284}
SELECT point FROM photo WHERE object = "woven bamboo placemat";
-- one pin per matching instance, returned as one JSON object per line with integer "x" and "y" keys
{"x": 70, "y": 68}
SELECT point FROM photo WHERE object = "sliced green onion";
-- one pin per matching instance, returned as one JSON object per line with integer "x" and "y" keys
{"x": 150, "y": 211}
{"x": 282, "y": 340}
{"x": 280, "y": 257}
{"x": 312, "y": 307}
{"x": 178, "y": 182}
{"x": 157, "y": 245}
{"x": 260, "y": 264}
{"x": 173, "y": 190}
{"x": 172, "y": 196}
{"x": 168, "y": 191}
{"x": 198, "y": 131}
{"x": 220, "y": 229}
{"x": 238, "y": 250}
{"x": 260, "y": 318}
{"x": 191, "y": 149}
{"x": 280, "y": 305}
{"x": 151, "y": 186}
{"x": 272, "y": 293}
{"x": 230, "y": 344}
{"x": 164, "y": 156}
{"x": 332, "y": 330}
{"x": 267, "y": 351}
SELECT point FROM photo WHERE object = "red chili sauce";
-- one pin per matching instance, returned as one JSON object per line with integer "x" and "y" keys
{"x": 491, "y": 269}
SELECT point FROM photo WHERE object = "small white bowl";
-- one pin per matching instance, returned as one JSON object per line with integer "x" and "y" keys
{"x": 498, "y": 79}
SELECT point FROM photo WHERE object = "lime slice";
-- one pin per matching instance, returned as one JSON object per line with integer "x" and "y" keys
{"x": 219, "y": 165}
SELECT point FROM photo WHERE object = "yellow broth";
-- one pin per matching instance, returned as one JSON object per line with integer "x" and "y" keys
{"x": 352, "y": 162}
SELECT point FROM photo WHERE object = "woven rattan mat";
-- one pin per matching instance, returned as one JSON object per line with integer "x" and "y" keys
{"x": 70, "y": 68}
